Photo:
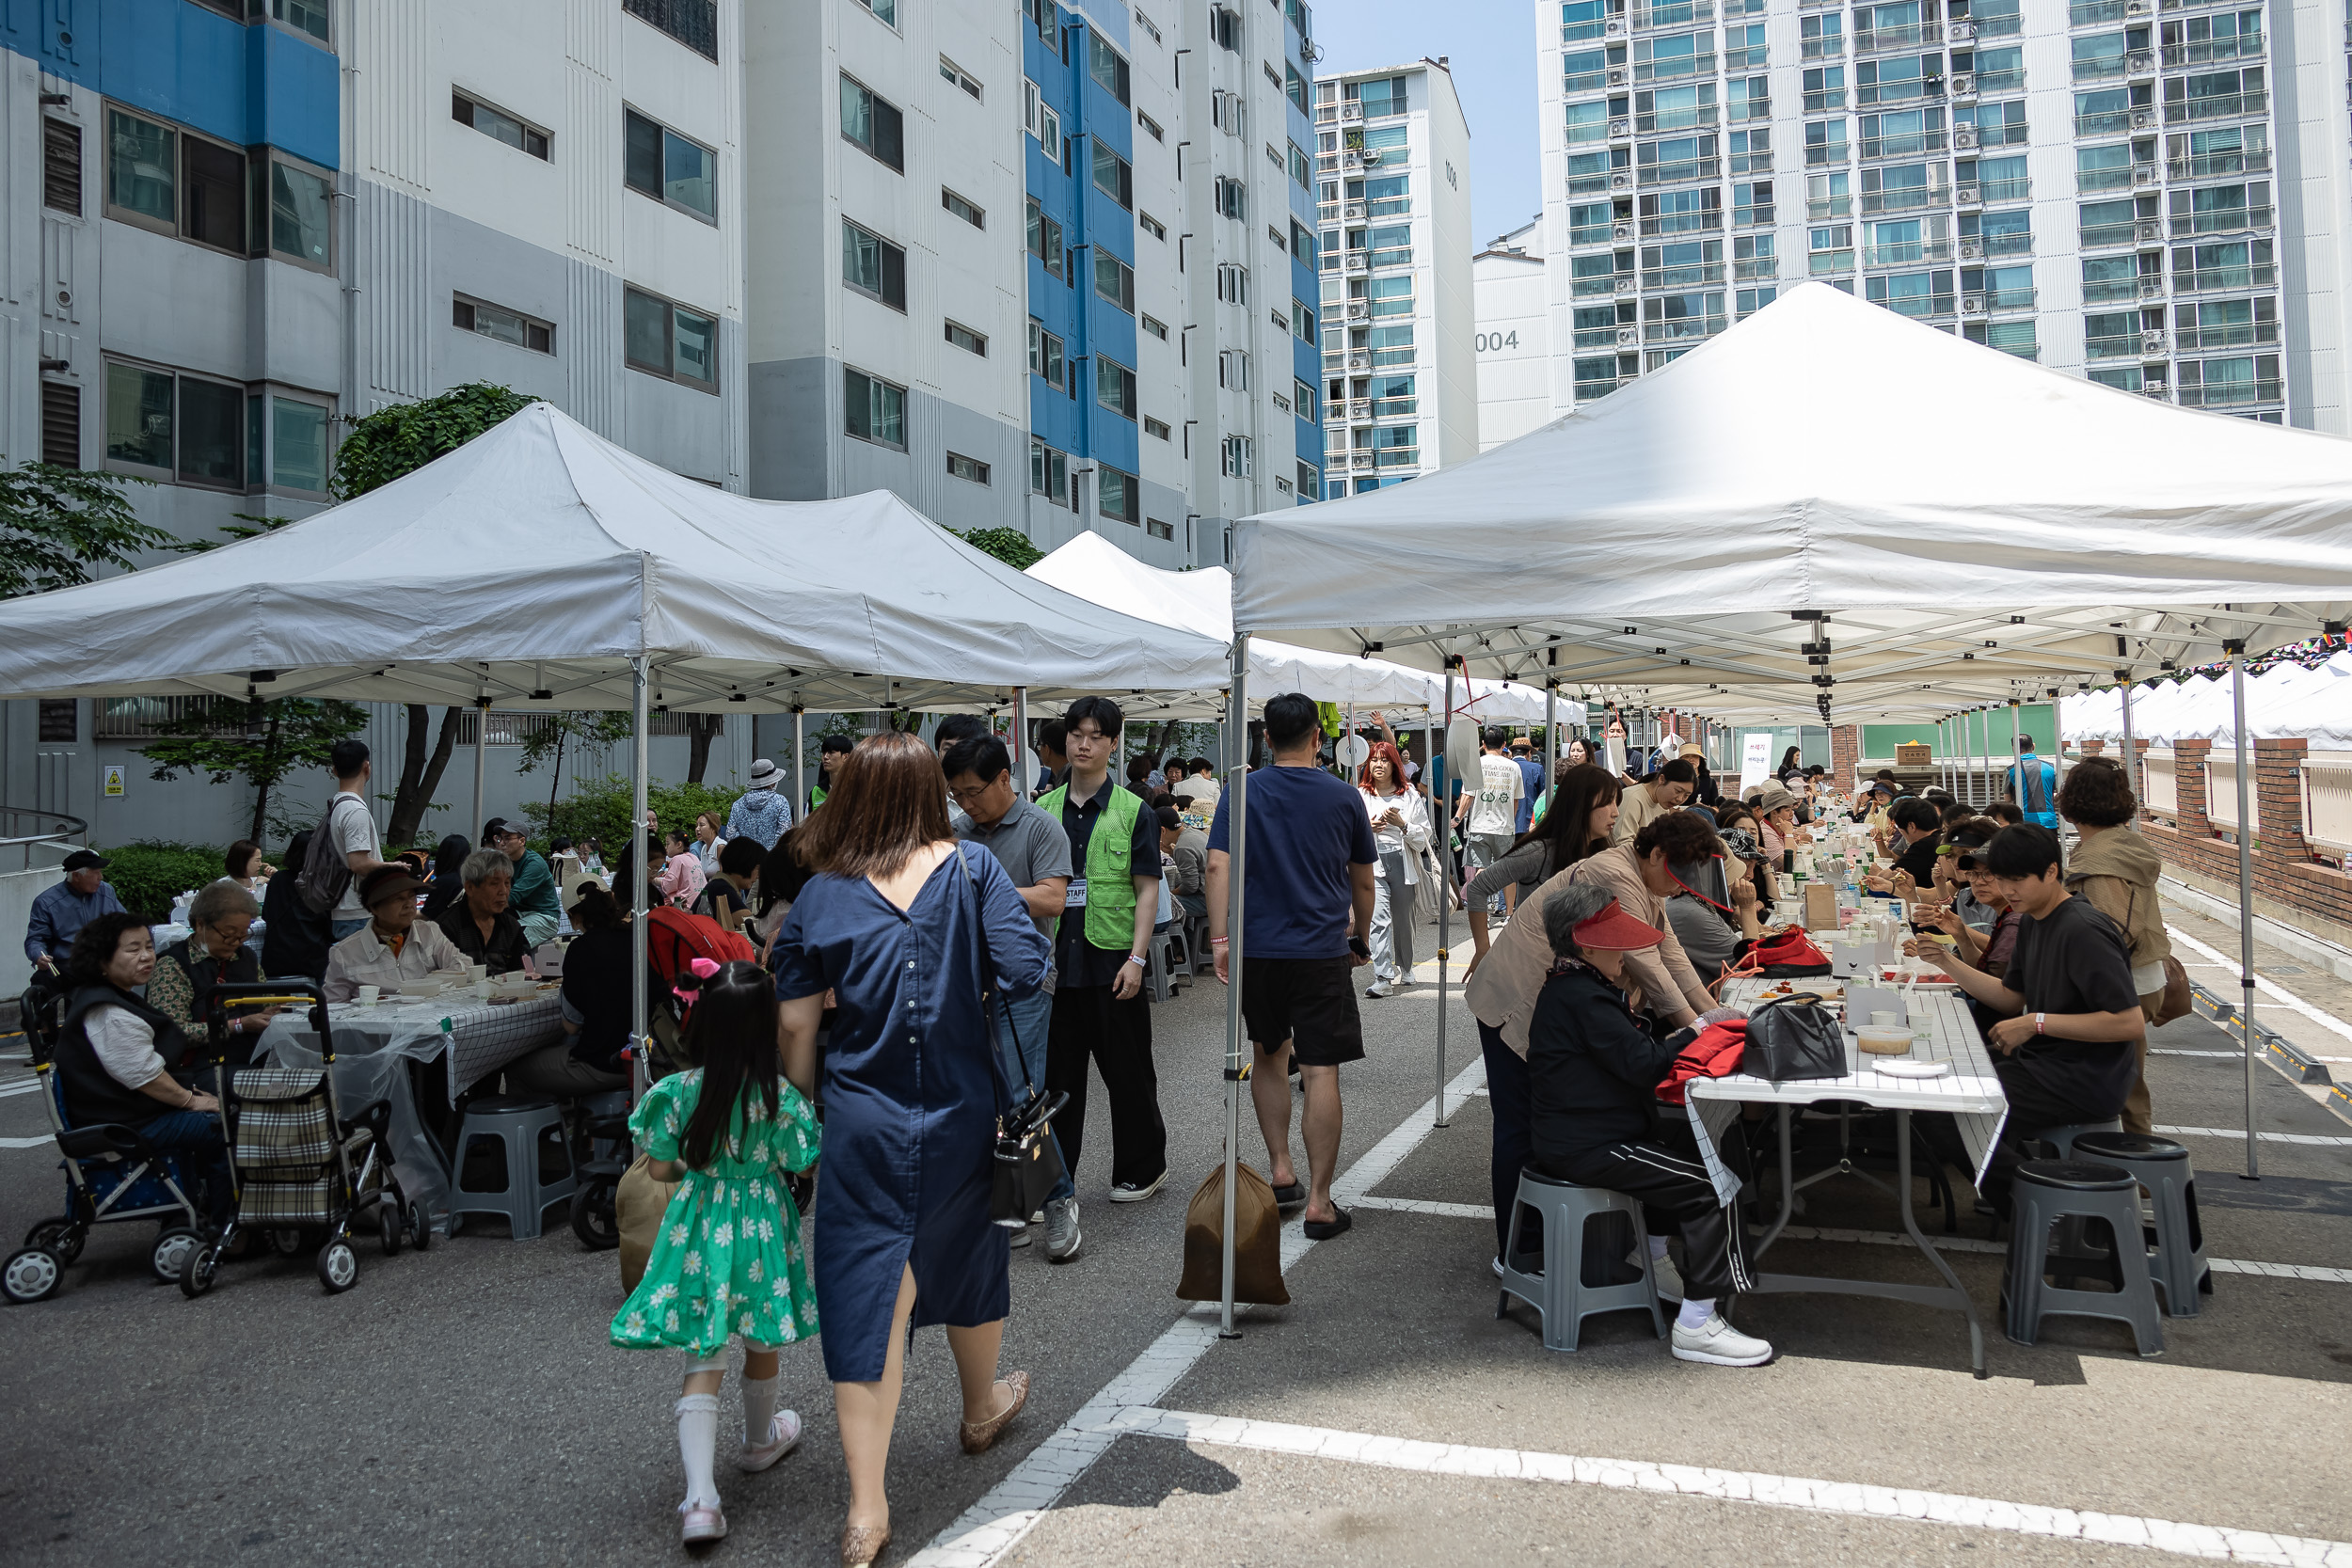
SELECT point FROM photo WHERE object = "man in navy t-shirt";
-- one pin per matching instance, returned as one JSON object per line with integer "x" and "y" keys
{"x": 1306, "y": 898}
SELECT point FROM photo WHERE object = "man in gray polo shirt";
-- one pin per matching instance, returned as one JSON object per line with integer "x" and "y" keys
{"x": 1034, "y": 850}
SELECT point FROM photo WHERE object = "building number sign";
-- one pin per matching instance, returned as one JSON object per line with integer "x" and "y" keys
{"x": 1495, "y": 343}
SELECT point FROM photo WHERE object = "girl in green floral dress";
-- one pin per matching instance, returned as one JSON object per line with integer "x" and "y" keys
{"x": 728, "y": 1260}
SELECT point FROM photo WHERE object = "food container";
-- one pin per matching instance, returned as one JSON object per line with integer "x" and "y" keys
{"x": 1885, "y": 1039}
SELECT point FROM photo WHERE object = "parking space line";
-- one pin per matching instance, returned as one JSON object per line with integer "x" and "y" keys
{"x": 2237, "y": 1134}
{"x": 2263, "y": 983}
{"x": 1849, "y": 1499}
{"x": 996, "y": 1524}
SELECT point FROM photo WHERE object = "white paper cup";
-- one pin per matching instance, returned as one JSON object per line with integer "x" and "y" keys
{"x": 1886, "y": 1019}
{"x": 368, "y": 996}
{"x": 478, "y": 973}
{"x": 481, "y": 988}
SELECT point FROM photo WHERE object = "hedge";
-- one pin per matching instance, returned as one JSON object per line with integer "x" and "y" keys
{"x": 600, "y": 810}
{"x": 147, "y": 876}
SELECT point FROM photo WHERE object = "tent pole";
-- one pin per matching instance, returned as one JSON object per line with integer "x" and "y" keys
{"x": 481, "y": 757}
{"x": 1442, "y": 820}
{"x": 2016, "y": 733}
{"x": 1551, "y": 733}
{"x": 2235, "y": 648}
{"x": 1984, "y": 752}
{"x": 1237, "y": 1053}
{"x": 800, "y": 746}
{"x": 2131, "y": 753}
{"x": 638, "y": 934}
{"x": 1021, "y": 742}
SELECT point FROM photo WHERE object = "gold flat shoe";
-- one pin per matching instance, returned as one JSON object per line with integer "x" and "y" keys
{"x": 978, "y": 1436}
{"x": 861, "y": 1544}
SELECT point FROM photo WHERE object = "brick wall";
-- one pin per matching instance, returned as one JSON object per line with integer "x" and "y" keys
{"x": 1845, "y": 749}
{"x": 2290, "y": 885}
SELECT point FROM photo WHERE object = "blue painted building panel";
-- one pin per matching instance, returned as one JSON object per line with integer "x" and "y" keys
{"x": 294, "y": 96}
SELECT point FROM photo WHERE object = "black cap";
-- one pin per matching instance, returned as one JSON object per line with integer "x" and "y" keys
{"x": 82, "y": 859}
{"x": 385, "y": 882}
{"x": 499, "y": 826}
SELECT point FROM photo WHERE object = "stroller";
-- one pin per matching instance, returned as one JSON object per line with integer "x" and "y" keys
{"x": 112, "y": 1175}
{"x": 305, "y": 1174}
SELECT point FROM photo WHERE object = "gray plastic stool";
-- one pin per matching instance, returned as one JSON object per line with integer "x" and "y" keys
{"x": 2048, "y": 1193}
{"x": 2163, "y": 1167}
{"x": 1560, "y": 1293}
{"x": 2062, "y": 1138}
{"x": 520, "y": 1125}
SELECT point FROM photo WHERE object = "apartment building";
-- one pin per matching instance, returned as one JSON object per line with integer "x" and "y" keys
{"x": 2149, "y": 193}
{"x": 1513, "y": 340}
{"x": 1400, "y": 365}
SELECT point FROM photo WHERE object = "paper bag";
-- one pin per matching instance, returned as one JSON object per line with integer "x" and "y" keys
{"x": 1257, "y": 1241}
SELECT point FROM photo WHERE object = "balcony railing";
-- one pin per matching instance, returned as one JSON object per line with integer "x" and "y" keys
{"x": 2199, "y": 339}
{"x": 1915, "y": 145}
{"x": 1600, "y": 285}
{"x": 1751, "y": 163}
{"x": 2106, "y": 236}
{"x": 1587, "y": 390}
{"x": 1600, "y": 337}
{"x": 1583, "y": 81}
{"x": 2008, "y": 243}
{"x": 1684, "y": 278}
{"x": 1915, "y": 35}
{"x": 2227, "y": 220}
{"x": 2107, "y": 122}
{"x": 1906, "y": 198}
{"x": 1820, "y": 209}
{"x": 1907, "y": 253}
{"x": 1676, "y": 120}
{"x": 2213, "y": 51}
{"x": 1755, "y": 269}
{"x": 2207, "y": 165}
{"x": 2115, "y": 291}
{"x": 1824, "y": 101}
{"x": 1757, "y": 216}
{"x": 1600, "y": 28}
{"x": 1680, "y": 170}
{"x": 2122, "y": 178}
{"x": 2113, "y": 345}
{"x": 2001, "y": 136}
{"x": 1753, "y": 57}
{"x": 1398, "y": 457}
{"x": 2219, "y": 105}
{"x": 2258, "y": 275}
{"x": 1393, "y": 408}
{"x": 1918, "y": 91}
{"x": 1823, "y": 263}
{"x": 1753, "y": 107}
{"x": 1682, "y": 14}
{"x": 1674, "y": 68}
{"x": 2231, "y": 394}
{"x": 2090, "y": 13}
{"x": 1995, "y": 190}
{"x": 2009, "y": 302}
{"x": 1997, "y": 24}
{"x": 1920, "y": 305}
{"x": 1683, "y": 330}
{"x": 1830, "y": 48}
{"x": 1683, "y": 223}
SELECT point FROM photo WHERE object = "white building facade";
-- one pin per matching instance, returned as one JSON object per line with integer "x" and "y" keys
{"x": 1400, "y": 370}
{"x": 2148, "y": 192}
{"x": 1514, "y": 337}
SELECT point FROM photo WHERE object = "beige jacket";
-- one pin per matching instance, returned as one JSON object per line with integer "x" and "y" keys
{"x": 362, "y": 959}
{"x": 2117, "y": 870}
{"x": 1636, "y": 809}
{"x": 1502, "y": 992}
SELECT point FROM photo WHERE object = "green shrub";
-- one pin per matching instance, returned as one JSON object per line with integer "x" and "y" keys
{"x": 148, "y": 875}
{"x": 600, "y": 810}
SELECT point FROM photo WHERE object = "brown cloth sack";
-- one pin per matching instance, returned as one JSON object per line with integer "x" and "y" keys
{"x": 2178, "y": 1001}
{"x": 1257, "y": 1241}
{"x": 637, "y": 1209}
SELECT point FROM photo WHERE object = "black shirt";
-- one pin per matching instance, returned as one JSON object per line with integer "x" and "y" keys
{"x": 1919, "y": 860}
{"x": 1592, "y": 1070}
{"x": 501, "y": 954}
{"x": 719, "y": 894}
{"x": 595, "y": 983}
{"x": 2075, "y": 960}
{"x": 1076, "y": 960}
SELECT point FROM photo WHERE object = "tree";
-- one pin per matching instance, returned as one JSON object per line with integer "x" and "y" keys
{"x": 701, "y": 730}
{"x": 257, "y": 742}
{"x": 420, "y": 773}
{"x": 546, "y": 743}
{"x": 405, "y": 437}
{"x": 56, "y": 524}
{"x": 1008, "y": 545}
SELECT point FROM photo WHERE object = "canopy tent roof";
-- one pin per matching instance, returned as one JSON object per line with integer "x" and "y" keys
{"x": 2286, "y": 700}
{"x": 1974, "y": 528}
{"x": 540, "y": 558}
{"x": 1202, "y": 600}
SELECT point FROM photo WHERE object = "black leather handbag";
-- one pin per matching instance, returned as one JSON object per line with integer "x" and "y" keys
{"x": 1794, "y": 1037}
{"x": 1028, "y": 1163}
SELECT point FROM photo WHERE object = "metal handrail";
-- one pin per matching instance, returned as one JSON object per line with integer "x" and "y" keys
{"x": 14, "y": 820}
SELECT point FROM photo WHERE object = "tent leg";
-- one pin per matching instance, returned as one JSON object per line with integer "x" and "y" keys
{"x": 1237, "y": 1053}
{"x": 2016, "y": 735}
{"x": 800, "y": 748}
{"x": 1442, "y": 820}
{"x": 2236, "y": 650}
{"x": 637, "y": 935}
{"x": 2131, "y": 753}
{"x": 481, "y": 757}
{"x": 1021, "y": 742}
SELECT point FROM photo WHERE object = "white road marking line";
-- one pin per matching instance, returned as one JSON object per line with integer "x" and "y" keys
{"x": 45, "y": 1139}
{"x": 23, "y": 1086}
{"x": 2238, "y": 1133}
{"x": 2279, "y": 993}
{"x": 2222, "y": 1055}
{"x": 2215, "y": 1542}
{"x": 996, "y": 1524}
{"x": 1424, "y": 1206}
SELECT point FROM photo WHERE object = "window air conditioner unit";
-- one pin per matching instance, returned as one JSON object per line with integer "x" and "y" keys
{"x": 1358, "y": 310}
{"x": 1625, "y": 285}
{"x": 1621, "y": 230}
{"x": 2154, "y": 387}
{"x": 1620, "y": 130}
{"x": 1621, "y": 181}
{"x": 1352, "y": 162}
{"x": 2149, "y": 230}
{"x": 2152, "y": 288}
{"x": 1351, "y": 111}
{"x": 1972, "y": 250}
{"x": 1359, "y": 460}
{"x": 2152, "y": 342}
{"x": 1354, "y": 260}
{"x": 1964, "y": 136}
{"x": 2139, "y": 62}
{"x": 1962, "y": 32}
{"x": 2136, "y": 8}
{"x": 1360, "y": 362}
{"x": 1372, "y": 156}
{"x": 1972, "y": 305}
{"x": 1969, "y": 196}
{"x": 2143, "y": 119}
{"x": 1352, "y": 211}
{"x": 1614, "y": 27}
{"x": 1616, "y": 76}
{"x": 2144, "y": 176}
{"x": 1964, "y": 84}
{"x": 1628, "y": 336}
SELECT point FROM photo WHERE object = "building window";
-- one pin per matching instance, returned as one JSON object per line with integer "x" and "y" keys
{"x": 1232, "y": 198}
{"x": 661, "y": 163}
{"x": 1302, "y": 245}
{"x": 1118, "y": 494}
{"x": 498, "y": 125}
{"x": 1301, "y": 171}
{"x": 1156, "y": 326}
{"x": 1309, "y": 483}
{"x": 667, "y": 340}
{"x": 876, "y": 410}
{"x": 169, "y": 180}
{"x": 1233, "y": 370}
{"x": 1151, "y": 126}
{"x": 873, "y": 123}
{"x": 1045, "y": 239}
{"x": 1039, "y": 119}
{"x": 1113, "y": 176}
{"x": 1305, "y": 399}
{"x": 962, "y": 209}
{"x": 885, "y": 11}
{"x": 1225, "y": 28}
{"x": 1046, "y": 356}
{"x": 972, "y": 468}
{"x": 1114, "y": 386}
{"x": 1233, "y": 283}
{"x": 963, "y": 78}
{"x": 61, "y": 166}
{"x": 307, "y": 17}
{"x": 968, "y": 340}
{"x": 1106, "y": 67}
{"x": 1114, "y": 281}
{"x": 298, "y": 445}
{"x": 872, "y": 265}
{"x": 301, "y": 211}
{"x": 178, "y": 426}
{"x": 60, "y": 719}
{"x": 1151, "y": 225}
{"x": 506, "y": 327}
{"x": 61, "y": 425}
{"x": 1302, "y": 320}
{"x": 692, "y": 23}
{"x": 1159, "y": 529}
{"x": 1157, "y": 428}
{"x": 1234, "y": 461}
{"x": 1049, "y": 472}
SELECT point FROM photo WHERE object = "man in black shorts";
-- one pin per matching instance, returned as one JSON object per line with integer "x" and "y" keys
{"x": 1307, "y": 901}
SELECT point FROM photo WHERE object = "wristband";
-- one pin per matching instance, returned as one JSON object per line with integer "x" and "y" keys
{"x": 2038, "y": 1021}
{"x": 1216, "y": 941}
{"x": 1138, "y": 958}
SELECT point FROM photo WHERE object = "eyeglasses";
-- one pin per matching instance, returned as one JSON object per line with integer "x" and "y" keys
{"x": 966, "y": 796}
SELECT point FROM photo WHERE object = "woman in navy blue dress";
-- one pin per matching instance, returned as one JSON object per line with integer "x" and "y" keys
{"x": 893, "y": 926}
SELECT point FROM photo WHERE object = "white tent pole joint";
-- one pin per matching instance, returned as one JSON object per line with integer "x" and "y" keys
{"x": 2235, "y": 648}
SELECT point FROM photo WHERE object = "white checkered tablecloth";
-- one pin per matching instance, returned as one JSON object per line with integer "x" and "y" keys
{"x": 1971, "y": 1092}
{"x": 483, "y": 1037}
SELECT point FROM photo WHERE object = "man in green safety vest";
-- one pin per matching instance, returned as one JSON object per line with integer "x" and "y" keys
{"x": 1100, "y": 953}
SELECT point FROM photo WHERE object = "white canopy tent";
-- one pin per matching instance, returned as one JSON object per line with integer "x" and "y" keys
{"x": 540, "y": 566}
{"x": 1778, "y": 519}
{"x": 2286, "y": 700}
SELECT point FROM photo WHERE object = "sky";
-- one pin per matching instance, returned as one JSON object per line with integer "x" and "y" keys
{"x": 1491, "y": 46}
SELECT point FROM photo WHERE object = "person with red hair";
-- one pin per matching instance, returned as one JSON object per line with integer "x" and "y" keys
{"x": 1399, "y": 832}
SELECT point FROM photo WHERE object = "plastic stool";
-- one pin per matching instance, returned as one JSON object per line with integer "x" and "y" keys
{"x": 2062, "y": 1138}
{"x": 1559, "y": 1294}
{"x": 1161, "y": 973}
{"x": 520, "y": 1125}
{"x": 2163, "y": 1167}
{"x": 2046, "y": 1195}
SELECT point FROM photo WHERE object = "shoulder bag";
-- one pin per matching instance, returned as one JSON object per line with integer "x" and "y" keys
{"x": 1027, "y": 1163}
{"x": 1793, "y": 1038}
{"x": 2177, "y": 1002}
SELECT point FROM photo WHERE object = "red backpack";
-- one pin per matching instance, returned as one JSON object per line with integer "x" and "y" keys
{"x": 1784, "y": 954}
{"x": 1715, "y": 1054}
{"x": 675, "y": 939}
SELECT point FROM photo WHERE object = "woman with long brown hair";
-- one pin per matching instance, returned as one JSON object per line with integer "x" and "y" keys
{"x": 1400, "y": 831}
{"x": 911, "y": 935}
{"x": 1587, "y": 799}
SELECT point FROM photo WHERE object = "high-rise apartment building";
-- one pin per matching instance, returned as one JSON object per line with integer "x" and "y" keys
{"x": 1514, "y": 337}
{"x": 2150, "y": 193}
{"x": 1400, "y": 374}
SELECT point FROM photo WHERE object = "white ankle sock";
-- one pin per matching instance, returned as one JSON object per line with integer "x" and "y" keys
{"x": 1657, "y": 1248}
{"x": 1695, "y": 1313}
{"x": 697, "y": 1436}
{"x": 759, "y": 1410}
